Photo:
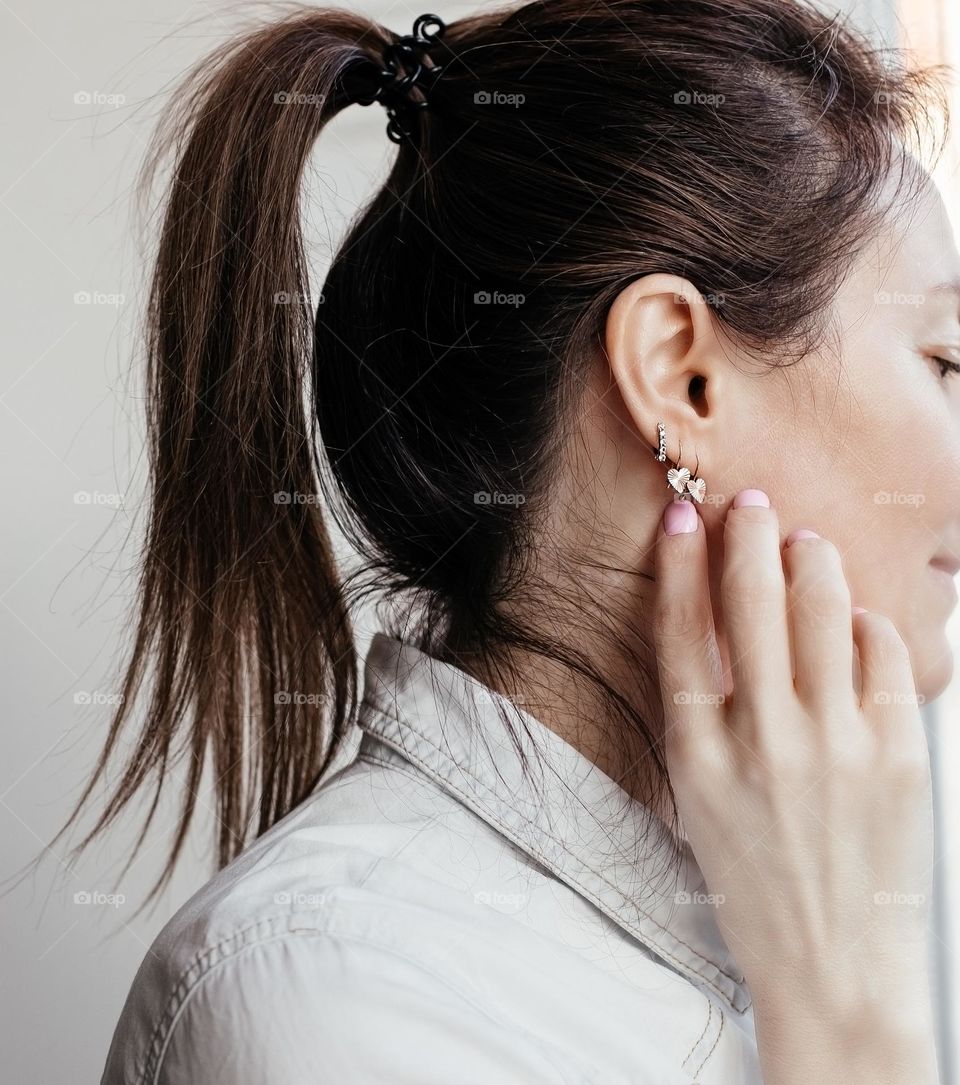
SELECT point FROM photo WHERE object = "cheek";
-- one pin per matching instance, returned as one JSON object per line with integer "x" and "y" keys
{"x": 877, "y": 471}
{"x": 916, "y": 516}
{"x": 943, "y": 488}
{"x": 885, "y": 489}
{"x": 900, "y": 468}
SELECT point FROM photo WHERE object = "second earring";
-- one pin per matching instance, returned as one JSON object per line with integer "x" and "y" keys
{"x": 688, "y": 486}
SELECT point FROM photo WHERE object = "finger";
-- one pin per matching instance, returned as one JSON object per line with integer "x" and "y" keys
{"x": 821, "y": 623}
{"x": 688, "y": 660}
{"x": 886, "y": 673}
{"x": 857, "y": 675}
{"x": 754, "y": 605}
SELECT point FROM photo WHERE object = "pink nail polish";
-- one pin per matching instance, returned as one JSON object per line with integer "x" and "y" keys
{"x": 751, "y": 497}
{"x": 680, "y": 518}
{"x": 800, "y": 533}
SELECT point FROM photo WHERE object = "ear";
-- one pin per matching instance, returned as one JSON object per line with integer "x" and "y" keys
{"x": 663, "y": 348}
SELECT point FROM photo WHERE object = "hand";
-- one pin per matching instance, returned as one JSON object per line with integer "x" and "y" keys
{"x": 807, "y": 803}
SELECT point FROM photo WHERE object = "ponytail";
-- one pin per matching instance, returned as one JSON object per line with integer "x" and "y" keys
{"x": 243, "y": 633}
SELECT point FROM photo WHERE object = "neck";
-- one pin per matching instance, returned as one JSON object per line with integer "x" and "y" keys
{"x": 591, "y": 677}
{"x": 586, "y": 602}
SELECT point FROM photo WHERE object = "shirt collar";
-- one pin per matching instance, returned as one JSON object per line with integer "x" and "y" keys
{"x": 571, "y": 818}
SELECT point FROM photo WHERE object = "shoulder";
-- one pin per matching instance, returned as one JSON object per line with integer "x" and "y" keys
{"x": 307, "y": 1005}
{"x": 326, "y": 952}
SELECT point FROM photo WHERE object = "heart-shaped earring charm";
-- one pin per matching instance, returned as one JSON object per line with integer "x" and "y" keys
{"x": 697, "y": 487}
{"x": 678, "y": 477}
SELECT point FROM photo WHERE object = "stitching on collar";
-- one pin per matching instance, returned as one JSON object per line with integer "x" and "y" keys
{"x": 697, "y": 1041}
{"x": 713, "y": 1047}
{"x": 525, "y": 846}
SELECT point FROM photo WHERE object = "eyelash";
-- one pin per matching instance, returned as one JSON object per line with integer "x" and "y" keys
{"x": 946, "y": 367}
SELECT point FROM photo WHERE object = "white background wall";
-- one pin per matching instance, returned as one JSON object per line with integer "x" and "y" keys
{"x": 70, "y": 423}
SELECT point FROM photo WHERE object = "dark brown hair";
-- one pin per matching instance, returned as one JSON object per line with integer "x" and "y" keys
{"x": 569, "y": 148}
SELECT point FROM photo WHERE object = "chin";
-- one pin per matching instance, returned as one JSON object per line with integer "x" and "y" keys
{"x": 936, "y": 668}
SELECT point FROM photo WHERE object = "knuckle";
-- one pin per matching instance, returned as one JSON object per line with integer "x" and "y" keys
{"x": 850, "y": 756}
{"x": 788, "y": 761}
{"x": 910, "y": 772}
{"x": 903, "y": 759}
{"x": 682, "y": 617}
{"x": 883, "y": 639}
{"x": 694, "y": 760}
{"x": 692, "y": 748}
{"x": 752, "y": 589}
{"x": 824, "y": 598}
{"x": 766, "y": 768}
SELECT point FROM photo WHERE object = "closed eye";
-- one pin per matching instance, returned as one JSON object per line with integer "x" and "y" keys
{"x": 947, "y": 367}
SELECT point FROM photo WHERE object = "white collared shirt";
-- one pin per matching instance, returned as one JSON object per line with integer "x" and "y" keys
{"x": 429, "y": 916}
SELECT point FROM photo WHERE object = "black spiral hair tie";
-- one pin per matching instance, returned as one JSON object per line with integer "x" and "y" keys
{"x": 403, "y": 69}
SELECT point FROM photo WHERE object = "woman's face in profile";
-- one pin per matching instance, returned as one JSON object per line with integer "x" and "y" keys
{"x": 880, "y": 473}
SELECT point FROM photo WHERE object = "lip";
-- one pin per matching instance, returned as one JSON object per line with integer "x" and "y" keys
{"x": 950, "y": 566}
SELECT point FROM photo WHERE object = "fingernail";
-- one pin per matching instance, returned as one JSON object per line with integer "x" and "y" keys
{"x": 751, "y": 497}
{"x": 800, "y": 533}
{"x": 859, "y": 610}
{"x": 679, "y": 518}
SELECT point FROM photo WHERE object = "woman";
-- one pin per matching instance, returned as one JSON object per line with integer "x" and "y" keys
{"x": 634, "y": 377}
